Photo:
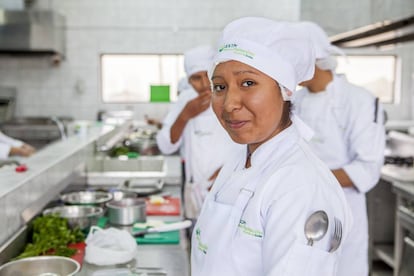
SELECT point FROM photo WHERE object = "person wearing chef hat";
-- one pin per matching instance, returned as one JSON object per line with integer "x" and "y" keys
{"x": 253, "y": 220}
{"x": 349, "y": 138}
{"x": 191, "y": 127}
{"x": 13, "y": 147}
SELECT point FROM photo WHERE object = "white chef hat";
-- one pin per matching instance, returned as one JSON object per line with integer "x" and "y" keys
{"x": 198, "y": 59}
{"x": 274, "y": 48}
{"x": 324, "y": 50}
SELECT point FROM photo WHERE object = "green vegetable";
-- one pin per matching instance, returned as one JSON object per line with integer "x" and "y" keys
{"x": 120, "y": 150}
{"x": 51, "y": 236}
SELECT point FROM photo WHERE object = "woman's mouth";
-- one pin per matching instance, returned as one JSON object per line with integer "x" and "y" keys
{"x": 235, "y": 124}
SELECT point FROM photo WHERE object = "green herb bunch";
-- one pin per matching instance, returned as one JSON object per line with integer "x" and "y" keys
{"x": 51, "y": 236}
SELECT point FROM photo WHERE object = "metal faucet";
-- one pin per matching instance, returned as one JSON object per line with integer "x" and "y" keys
{"x": 60, "y": 126}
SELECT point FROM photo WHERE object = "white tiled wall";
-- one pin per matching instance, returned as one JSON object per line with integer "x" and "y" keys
{"x": 94, "y": 27}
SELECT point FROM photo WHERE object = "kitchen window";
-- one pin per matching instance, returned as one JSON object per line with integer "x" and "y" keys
{"x": 375, "y": 73}
{"x": 140, "y": 78}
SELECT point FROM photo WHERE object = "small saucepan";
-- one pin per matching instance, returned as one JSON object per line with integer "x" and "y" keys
{"x": 126, "y": 211}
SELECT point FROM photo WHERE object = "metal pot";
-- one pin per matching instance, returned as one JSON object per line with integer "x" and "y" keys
{"x": 127, "y": 211}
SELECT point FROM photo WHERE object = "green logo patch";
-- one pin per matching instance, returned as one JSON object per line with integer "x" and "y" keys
{"x": 233, "y": 47}
{"x": 201, "y": 246}
{"x": 249, "y": 231}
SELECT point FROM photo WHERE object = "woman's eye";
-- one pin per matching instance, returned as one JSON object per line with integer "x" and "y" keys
{"x": 247, "y": 83}
{"x": 218, "y": 87}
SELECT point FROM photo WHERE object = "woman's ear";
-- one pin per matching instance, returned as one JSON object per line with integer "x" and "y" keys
{"x": 286, "y": 94}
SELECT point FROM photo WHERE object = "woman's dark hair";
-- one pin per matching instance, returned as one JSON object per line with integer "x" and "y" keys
{"x": 285, "y": 121}
{"x": 287, "y": 109}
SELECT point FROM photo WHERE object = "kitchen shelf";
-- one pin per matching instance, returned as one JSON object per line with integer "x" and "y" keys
{"x": 385, "y": 252}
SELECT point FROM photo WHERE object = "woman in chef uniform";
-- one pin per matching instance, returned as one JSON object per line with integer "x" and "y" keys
{"x": 349, "y": 138}
{"x": 13, "y": 147}
{"x": 191, "y": 127}
{"x": 252, "y": 221}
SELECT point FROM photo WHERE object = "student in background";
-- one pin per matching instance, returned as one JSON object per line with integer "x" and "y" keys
{"x": 349, "y": 137}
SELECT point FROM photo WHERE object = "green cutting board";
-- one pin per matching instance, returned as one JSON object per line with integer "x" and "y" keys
{"x": 171, "y": 237}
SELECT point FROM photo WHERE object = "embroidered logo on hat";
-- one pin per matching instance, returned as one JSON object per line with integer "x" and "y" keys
{"x": 233, "y": 47}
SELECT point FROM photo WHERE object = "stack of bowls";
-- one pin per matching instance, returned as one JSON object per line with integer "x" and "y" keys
{"x": 81, "y": 216}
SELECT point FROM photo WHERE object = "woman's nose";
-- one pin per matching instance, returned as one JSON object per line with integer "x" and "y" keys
{"x": 232, "y": 100}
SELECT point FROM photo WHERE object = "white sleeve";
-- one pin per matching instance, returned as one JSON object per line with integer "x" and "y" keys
{"x": 366, "y": 144}
{"x": 9, "y": 141}
{"x": 285, "y": 248}
{"x": 164, "y": 135}
{"x": 4, "y": 150}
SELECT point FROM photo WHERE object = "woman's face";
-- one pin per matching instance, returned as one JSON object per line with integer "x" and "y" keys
{"x": 200, "y": 82}
{"x": 247, "y": 103}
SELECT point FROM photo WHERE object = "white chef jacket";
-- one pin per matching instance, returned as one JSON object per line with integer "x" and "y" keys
{"x": 204, "y": 144}
{"x": 6, "y": 143}
{"x": 349, "y": 134}
{"x": 264, "y": 235}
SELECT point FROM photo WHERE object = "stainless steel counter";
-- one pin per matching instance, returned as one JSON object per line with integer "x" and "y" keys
{"x": 393, "y": 173}
{"x": 173, "y": 258}
{"x": 49, "y": 173}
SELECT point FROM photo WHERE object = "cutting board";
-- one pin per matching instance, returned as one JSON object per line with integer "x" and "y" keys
{"x": 171, "y": 237}
{"x": 77, "y": 256}
{"x": 80, "y": 253}
{"x": 171, "y": 207}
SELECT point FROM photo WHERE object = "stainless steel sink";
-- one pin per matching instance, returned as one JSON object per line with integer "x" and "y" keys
{"x": 112, "y": 171}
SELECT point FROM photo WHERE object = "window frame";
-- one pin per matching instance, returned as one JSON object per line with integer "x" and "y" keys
{"x": 180, "y": 73}
{"x": 395, "y": 95}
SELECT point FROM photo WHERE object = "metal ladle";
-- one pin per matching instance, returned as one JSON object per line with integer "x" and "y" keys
{"x": 316, "y": 226}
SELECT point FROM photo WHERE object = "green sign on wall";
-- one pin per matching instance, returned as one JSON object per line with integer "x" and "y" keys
{"x": 160, "y": 93}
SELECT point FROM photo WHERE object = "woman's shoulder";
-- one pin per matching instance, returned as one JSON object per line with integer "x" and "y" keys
{"x": 302, "y": 175}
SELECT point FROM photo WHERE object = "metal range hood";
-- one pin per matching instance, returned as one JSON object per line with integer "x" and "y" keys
{"x": 31, "y": 32}
{"x": 377, "y": 35}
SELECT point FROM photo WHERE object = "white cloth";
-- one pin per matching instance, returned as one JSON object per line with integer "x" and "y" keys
{"x": 347, "y": 137}
{"x": 6, "y": 143}
{"x": 252, "y": 221}
{"x": 163, "y": 136}
{"x": 198, "y": 59}
{"x": 109, "y": 246}
{"x": 274, "y": 48}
